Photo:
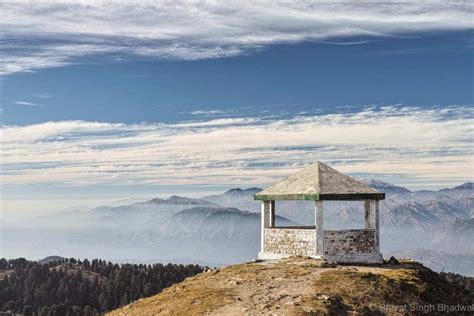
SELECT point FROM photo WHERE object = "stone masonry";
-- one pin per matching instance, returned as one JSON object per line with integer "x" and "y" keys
{"x": 349, "y": 242}
{"x": 290, "y": 241}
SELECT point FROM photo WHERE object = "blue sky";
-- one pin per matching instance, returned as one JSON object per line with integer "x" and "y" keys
{"x": 424, "y": 70}
{"x": 102, "y": 101}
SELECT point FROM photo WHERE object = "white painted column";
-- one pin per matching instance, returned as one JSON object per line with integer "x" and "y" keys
{"x": 271, "y": 214}
{"x": 367, "y": 214}
{"x": 262, "y": 229}
{"x": 266, "y": 220}
{"x": 318, "y": 216}
{"x": 376, "y": 224}
{"x": 372, "y": 220}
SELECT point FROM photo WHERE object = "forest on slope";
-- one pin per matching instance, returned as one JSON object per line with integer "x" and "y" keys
{"x": 75, "y": 287}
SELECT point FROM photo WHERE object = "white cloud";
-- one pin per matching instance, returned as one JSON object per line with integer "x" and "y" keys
{"x": 37, "y": 34}
{"x": 43, "y": 96}
{"x": 424, "y": 146}
{"x": 25, "y": 103}
{"x": 208, "y": 113}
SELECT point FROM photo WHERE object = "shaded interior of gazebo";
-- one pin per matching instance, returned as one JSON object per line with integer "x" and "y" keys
{"x": 318, "y": 183}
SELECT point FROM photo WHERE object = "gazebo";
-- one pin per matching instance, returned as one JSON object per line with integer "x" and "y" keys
{"x": 319, "y": 182}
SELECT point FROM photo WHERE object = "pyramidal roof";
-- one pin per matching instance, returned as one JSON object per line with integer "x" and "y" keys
{"x": 319, "y": 182}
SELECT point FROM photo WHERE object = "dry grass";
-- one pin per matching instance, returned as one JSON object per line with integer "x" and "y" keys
{"x": 299, "y": 286}
{"x": 371, "y": 292}
{"x": 364, "y": 292}
{"x": 188, "y": 300}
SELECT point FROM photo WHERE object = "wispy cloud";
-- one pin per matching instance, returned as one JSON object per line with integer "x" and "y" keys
{"x": 344, "y": 43}
{"x": 208, "y": 113}
{"x": 25, "y": 103}
{"x": 390, "y": 141}
{"x": 43, "y": 96}
{"x": 41, "y": 34}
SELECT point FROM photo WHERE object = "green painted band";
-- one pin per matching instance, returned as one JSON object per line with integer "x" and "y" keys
{"x": 286, "y": 197}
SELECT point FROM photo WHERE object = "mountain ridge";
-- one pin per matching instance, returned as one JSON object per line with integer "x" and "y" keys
{"x": 209, "y": 228}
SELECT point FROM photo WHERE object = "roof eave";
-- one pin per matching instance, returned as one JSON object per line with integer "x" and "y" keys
{"x": 286, "y": 197}
{"x": 321, "y": 197}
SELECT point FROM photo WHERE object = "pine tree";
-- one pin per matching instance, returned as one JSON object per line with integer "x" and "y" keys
{"x": 27, "y": 310}
{"x": 87, "y": 311}
{"x": 124, "y": 300}
{"x": 44, "y": 311}
{"x": 50, "y": 289}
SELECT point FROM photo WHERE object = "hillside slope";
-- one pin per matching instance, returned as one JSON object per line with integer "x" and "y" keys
{"x": 303, "y": 286}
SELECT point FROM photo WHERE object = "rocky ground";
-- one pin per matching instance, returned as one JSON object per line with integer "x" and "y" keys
{"x": 298, "y": 286}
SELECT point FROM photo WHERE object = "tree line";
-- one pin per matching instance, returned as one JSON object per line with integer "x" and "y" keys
{"x": 463, "y": 281}
{"x": 75, "y": 287}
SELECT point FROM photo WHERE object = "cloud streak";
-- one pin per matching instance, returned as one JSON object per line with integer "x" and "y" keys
{"x": 39, "y": 34}
{"x": 25, "y": 103}
{"x": 408, "y": 144}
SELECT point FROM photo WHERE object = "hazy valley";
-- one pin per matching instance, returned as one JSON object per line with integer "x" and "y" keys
{"x": 434, "y": 227}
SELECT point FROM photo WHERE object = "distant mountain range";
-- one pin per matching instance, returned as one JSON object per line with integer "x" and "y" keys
{"x": 439, "y": 260}
{"x": 225, "y": 228}
{"x": 242, "y": 199}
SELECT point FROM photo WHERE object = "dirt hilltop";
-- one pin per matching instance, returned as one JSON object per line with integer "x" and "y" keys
{"x": 298, "y": 286}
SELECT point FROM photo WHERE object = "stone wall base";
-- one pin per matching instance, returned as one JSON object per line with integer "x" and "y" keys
{"x": 355, "y": 258}
{"x": 276, "y": 256}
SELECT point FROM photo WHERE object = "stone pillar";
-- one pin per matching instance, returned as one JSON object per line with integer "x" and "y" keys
{"x": 376, "y": 225}
{"x": 266, "y": 213}
{"x": 372, "y": 219}
{"x": 266, "y": 220}
{"x": 367, "y": 214}
{"x": 272, "y": 214}
{"x": 318, "y": 216}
